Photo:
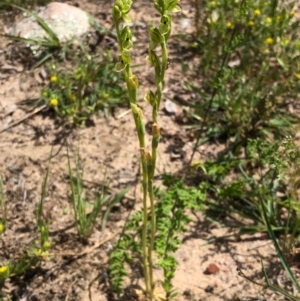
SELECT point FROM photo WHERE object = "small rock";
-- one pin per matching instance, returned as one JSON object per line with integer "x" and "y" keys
{"x": 170, "y": 107}
{"x": 65, "y": 20}
{"x": 175, "y": 156}
{"x": 43, "y": 74}
{"x": 185, "y": 23}
{"x": 212, "y": 269}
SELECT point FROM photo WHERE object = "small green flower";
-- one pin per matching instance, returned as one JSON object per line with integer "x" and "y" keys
{"x": 285, "y": 42}
{"x": 250, "y": 23}
{"x": 44, "y": 94}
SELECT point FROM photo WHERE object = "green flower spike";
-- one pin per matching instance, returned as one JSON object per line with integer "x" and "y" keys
{"x": 121, "y": 9}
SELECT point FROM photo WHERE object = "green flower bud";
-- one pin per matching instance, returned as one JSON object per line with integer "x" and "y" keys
{"x": 150, "y": 98}
{"x": 139, "y": 122}
{"x": 156, "y": 135}
{"x": 159, "y": 5}
{"x": 133, "y": 82}
{"x": 116, "y": 13}
{"x": 156, "y": 36}
{"x": 165, "y": 25}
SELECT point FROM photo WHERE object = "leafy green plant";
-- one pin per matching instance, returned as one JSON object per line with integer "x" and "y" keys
{"x": 261, "y": 188}
{"x": 89, "y": 85}
{"x": 86, "y": 213}
{"x": 158, "y": 37}
{"x": 172, "y": 214}
{"x": 249, "y": 70}
{"x": 172, "y": 220}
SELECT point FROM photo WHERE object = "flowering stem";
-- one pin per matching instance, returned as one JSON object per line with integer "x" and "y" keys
{"x": 159, "y": 36}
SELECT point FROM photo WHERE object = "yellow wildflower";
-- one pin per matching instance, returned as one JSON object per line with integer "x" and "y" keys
{"x": 47, "y": 245}
{"x": 269, "y": 20}
{"x": 213, "y": 4}
{"x": 250, "y": 23}
{"x": 54, "y": 102}
{"x": 229, "y": 25}
{"x": 257, "y": 12}
{"x": 269, "y": 41}
{"x": 53, "y": 79}
{"x": 286, "y": 41}
{"x": 3, "y": 269}
{"x": 293, "y": 13}
{"x": 1, "y": 228}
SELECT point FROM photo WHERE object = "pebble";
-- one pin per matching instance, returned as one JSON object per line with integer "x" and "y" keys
{"x": 170, "y": 107}
{"x": 212, "y": 269}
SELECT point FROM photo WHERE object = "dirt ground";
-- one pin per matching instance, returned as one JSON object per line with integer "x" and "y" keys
{"x": 107, "y": 148}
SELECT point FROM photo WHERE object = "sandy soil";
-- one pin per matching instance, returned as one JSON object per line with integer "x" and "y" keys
{"x": 207, "y": 272}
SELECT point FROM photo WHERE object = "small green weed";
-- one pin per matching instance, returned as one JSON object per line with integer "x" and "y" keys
{"x": 86, "y": 213}
{"x": 171, "y": 212}
{"x": 86, "y": 87}
{"x": 32, "y": 255}
{"x": 241, "y": 185}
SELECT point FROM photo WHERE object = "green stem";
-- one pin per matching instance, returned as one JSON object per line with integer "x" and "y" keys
{"x": 132, "y": 93}
{"x": 164, "y": 63}
{"x": 153, "y": 231}
{"x": 144, "y": 231}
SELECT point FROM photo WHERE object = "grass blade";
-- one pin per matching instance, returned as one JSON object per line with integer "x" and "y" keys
{"x": 51, "y": 34}
{"x": 277, "y": 247}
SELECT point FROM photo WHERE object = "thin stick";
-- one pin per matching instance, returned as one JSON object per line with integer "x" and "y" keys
{"x": 23, "y": 119}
